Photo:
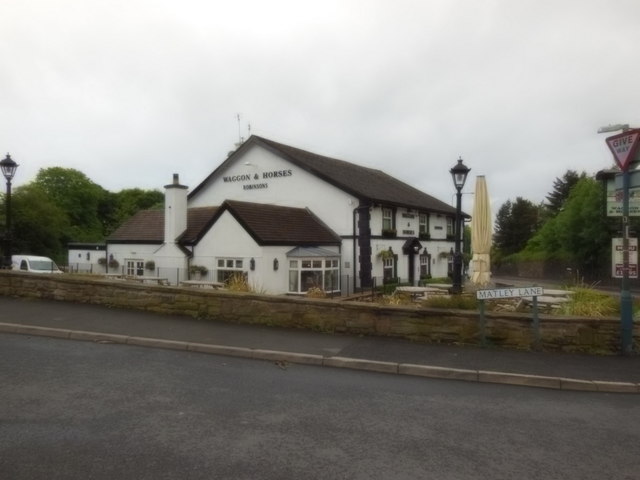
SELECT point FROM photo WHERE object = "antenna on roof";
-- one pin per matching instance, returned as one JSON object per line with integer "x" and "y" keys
{"x": 240, "y": 139}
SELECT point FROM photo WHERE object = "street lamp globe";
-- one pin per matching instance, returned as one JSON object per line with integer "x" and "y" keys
{"x": 459, "y": 174}
{"x": 8, "y": 167}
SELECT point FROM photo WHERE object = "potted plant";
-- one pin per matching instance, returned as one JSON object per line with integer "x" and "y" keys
{"x": 386, "y": 254}
{"x": 198, "y": 271}
{"x": 389, "y": 233}
{"x": 150, "y": 265}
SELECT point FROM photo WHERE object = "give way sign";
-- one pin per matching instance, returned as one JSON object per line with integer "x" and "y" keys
{"x": 624, "y": 146}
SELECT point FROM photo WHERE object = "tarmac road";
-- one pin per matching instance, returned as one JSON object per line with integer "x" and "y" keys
{"x": 80, "y": 410}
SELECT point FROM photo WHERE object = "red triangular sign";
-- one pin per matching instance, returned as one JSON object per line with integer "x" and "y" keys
{"x": 624, "y": 146}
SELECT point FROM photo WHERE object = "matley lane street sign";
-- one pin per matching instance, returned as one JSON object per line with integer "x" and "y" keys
{"x": 624, "y": 146}
{"x": 509, "y": 293}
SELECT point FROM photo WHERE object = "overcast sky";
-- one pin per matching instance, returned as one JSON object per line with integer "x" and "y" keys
{"x": 131, "y": 91}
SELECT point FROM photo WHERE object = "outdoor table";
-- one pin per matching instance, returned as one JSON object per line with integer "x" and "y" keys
{"x": 141, "y": 279}
{"x": 201, "y": 284}
{"x": 117, "y": 276}
{"x": 416, "y": 292}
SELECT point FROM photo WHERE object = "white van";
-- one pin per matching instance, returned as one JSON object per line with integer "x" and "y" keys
{"x": 34, "y": 264}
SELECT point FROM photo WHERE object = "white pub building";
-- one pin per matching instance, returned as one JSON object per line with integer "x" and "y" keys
{"x": 289, "y": 220}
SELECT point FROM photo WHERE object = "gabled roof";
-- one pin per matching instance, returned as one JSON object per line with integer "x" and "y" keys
{"x": 147, "y": 226}
{"x": 367, "y": 184}
{"x": 267, "y": 225}
{"x": 277, "y": 225}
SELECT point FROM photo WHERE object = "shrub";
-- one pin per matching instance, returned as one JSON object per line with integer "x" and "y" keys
{"x": 590, "y": 303}
{"x": 237, "y": 283}
{"x": 316, "y": 292}
{"x": 150, "y": 265}
{"x": 201, "y": 269}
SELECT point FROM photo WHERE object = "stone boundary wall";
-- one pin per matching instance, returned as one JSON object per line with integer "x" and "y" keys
{"x": 429, "y": 325}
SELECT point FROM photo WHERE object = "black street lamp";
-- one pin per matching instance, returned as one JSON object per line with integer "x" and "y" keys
{"x": 459, "y": 174}
{"x": 8, "y": 167}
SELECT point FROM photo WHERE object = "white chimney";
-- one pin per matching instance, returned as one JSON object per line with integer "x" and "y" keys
{"x": 175, "y": 210}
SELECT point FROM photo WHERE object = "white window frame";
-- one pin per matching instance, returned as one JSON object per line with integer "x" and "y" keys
{"x": 134, "y": 267}
{"x": 388, "y": 264}
{"x": 229, "y": 266}
{"x": 424, "y": 265}
{"x": 314, "y": 272}
{"x": 423, "y": 223}
{"x": 387, "y": 219}
{"x": 450, "y": 223}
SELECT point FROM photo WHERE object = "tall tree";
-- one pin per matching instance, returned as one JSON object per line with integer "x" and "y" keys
{"x": 561, "y": 190}
{"x": 515, "y": 224}
{"x": 579, "y": 234}
{"x": 37, "y": 223}
{"x": 76, "y": 195}
{"x": 131, "y": 200}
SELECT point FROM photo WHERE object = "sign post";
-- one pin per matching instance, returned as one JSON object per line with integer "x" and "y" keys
{"x": 512, "y": 292}
{"x": 624, "y": 146}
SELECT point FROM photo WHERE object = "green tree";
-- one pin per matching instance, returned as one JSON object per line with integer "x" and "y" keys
{"x": 130, "y": 201}
{"x": 561, "y": 190}
{"x": 80, "y": 198}
{"x": 579, "y": 234}
{"x": 37, "y": 223}
{"x": 516, "y": 222}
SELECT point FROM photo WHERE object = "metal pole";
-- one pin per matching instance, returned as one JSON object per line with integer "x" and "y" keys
{"x": 457, "y": 256}
{"x": 626, "y": 303}
{"x": 8, "y": 234}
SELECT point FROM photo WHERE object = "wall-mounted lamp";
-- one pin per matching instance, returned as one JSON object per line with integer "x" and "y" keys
{"x": 252, "y": 264}
{"x": 275, "y": 264}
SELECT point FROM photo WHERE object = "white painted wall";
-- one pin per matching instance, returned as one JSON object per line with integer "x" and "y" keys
{"x": 124, "y": 252}
{"x": 297, "y": 188}
{"x": 227, "y": 239}
{"x": 86, "y": 259}
{"x": 175, "y": 210}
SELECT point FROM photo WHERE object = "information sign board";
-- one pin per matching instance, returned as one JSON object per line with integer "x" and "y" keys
{"x": 617, "y": 262}
{"x": 615, "y": 193}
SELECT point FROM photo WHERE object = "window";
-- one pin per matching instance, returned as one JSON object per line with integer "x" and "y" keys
{"x": 227, "y": 267}
{"x": 424, "y": 265}
{"x": 387, "y": 219}
{"x": 423, "y": 224}
{"x": 387, "y": 269}
{"x": 321, "y": 273}
{"x": 135, "y": 268}
{"x": 449, "y": 226}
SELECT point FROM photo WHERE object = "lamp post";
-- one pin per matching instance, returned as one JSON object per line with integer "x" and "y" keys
{"x": 459, "y": 174}
{"x": 8, "y": 167}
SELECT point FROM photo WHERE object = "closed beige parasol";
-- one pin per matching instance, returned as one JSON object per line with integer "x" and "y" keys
{"x": 481, "y": 234}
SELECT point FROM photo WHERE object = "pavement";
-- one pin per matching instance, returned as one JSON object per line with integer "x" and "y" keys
{"x": 286, "y": 347}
